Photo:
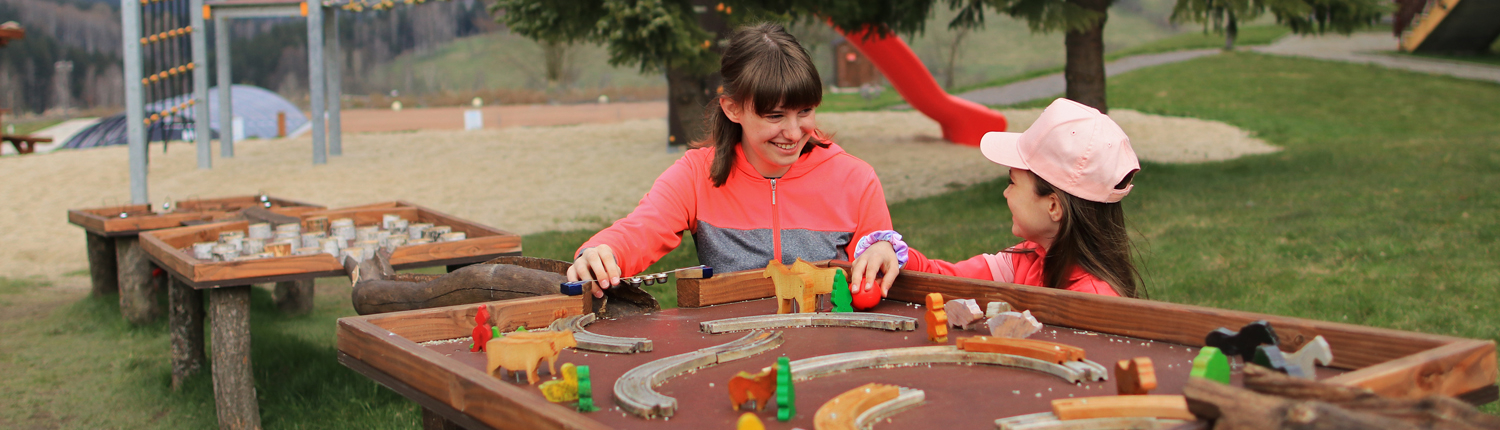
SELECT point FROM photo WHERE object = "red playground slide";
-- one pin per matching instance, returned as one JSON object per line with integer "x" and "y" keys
{"x": 963, "y": 121}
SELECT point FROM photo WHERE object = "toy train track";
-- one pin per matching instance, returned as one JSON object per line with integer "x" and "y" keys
{"x": 857, "y": 320}
{"x": 809, "y": 368}
{"x": 635, "y": 391}
{"x": 598, "y": 342}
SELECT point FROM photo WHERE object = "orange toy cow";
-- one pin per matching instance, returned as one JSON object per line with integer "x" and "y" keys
{"x": 757, "y": 387}
{"x": 524, "y": 351}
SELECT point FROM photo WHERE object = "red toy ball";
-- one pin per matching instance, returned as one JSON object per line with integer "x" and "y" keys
{"x": 866, "y": 299}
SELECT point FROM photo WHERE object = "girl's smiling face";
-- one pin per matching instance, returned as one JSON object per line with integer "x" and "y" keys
{"x": 1033, "y": 217}
{"x": 773, "y": 139}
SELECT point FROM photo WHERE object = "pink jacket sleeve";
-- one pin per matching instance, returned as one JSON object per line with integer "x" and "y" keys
{"x": 874, "y": 214}
{"x": 655, "y": 227}
{"x": 977, "y": 267}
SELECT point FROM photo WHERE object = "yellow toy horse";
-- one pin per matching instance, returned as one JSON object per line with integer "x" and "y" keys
{"x": 802, "y": 282}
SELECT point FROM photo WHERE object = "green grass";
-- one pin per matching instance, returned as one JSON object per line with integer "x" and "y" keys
{"x": 28, "y": 127}
{"x": 1249, "y": 36}
{"x": 1380, "y": 211}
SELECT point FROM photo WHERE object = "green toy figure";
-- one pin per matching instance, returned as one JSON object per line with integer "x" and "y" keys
{"x": 842, "y": 299}
{"x": 585, "y": 391}
{"x": 1211, "y": 364}
{"x": 786, "y": 398}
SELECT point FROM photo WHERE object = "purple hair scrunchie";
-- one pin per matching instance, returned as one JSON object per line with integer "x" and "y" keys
{"x": 884, "y": 236}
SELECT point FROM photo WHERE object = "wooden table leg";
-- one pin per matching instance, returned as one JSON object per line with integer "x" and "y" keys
{"x": 137, "y": 288}
{"x": 102, "y": 266}
{"x": 185, "y": 317}
{"x": 434, "y": 421}
{"x": 294, "y": 297}
{"x": 234, "y": 385}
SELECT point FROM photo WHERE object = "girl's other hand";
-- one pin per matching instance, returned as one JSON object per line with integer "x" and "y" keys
{"x": 877, "y": 259}
{"x": 597, "y": 263}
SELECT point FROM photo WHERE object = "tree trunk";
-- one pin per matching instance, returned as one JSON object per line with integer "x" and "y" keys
{"x": 234, "y": 384}
{"x": 294, "y": 297}
{"x": 186, "y": 321}
{"x": 138, "y": 288}
{"x": 1084, "y": 72}
{"x": 1231, "y": 32}
{"x": 102, "y": 265}
{"x": 689, "y": 92}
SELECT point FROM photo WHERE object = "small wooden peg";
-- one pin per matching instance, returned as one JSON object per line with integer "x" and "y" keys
{"x": 1136, "y": 376}
{"x": 937, "y": 319}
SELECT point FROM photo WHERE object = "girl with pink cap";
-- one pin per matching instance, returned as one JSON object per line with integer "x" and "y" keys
{"x": 1068, "y": 173}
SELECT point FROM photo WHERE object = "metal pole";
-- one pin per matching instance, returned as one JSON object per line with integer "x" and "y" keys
{"x": 316, "y": 80}
{"x": 226, "y": 114}
{"x": 130, "y": 24}
{"x": 335, "y": 86}
{"x": 200, "y": 87}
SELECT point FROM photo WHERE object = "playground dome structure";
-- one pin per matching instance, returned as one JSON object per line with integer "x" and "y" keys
{"x": 257, "y": 107}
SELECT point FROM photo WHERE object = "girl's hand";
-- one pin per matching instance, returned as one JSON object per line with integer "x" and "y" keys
{"x": 878, "y": 258}
{"x": 597, "y": 263}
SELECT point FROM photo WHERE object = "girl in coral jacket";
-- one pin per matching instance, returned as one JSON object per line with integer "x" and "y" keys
{"x": 767, "y": 185}
{"x": 1068, "y": 173}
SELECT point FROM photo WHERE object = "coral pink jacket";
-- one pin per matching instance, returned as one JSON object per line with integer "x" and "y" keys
{"x": 815, "y": 212}
{"x": 1016, "y": 268}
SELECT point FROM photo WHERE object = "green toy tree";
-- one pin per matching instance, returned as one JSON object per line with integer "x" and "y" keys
{"x": 1301, "y": 16}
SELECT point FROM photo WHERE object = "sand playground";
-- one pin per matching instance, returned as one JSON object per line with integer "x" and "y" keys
{"x": 524, "y": 178}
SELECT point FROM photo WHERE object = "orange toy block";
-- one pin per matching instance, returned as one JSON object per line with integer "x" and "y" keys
{"x": 524, "y": 351}
{"x": 1135, "y": 376}
{"x": 757, "y": 387}
{"x": 937, "y": 319}
{"x": 1039, "y": 349}
{"x": 1172, "y": 407}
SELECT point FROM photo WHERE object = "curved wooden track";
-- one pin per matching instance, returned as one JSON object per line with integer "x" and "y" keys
{"x": 599, "y": 342}
{"x": 822, "y": 319}
{"x": 635, "y": 391}
{"x": 809, "y": 368}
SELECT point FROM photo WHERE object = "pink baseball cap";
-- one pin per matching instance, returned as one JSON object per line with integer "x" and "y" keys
{"x": 1073, "y": 147}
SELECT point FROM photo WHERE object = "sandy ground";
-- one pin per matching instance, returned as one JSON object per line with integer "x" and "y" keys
{"x": 522, "y": 179}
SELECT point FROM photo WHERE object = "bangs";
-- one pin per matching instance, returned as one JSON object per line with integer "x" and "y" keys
{"x": 781, "y": 81}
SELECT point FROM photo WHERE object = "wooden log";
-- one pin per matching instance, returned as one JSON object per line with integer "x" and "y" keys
{"x": 138, "y": 289}
{"x": 185, "y": 316}
{"x": 1431, "y": 412}
{"x": 294, "y": 297}
{"x": 1234, "y": 408}
{"x": 102, "y": 266}
{"x": 471, "y": 284}
{"x": 234, "y": 384}
{"x": 433, "y": 421}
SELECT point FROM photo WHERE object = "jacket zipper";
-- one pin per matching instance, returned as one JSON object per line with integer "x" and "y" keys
{"x": 775, "y": 224}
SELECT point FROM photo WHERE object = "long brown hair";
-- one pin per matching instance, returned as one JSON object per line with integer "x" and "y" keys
{"x": 763, "y": 67}
{"x": 1091, "y": 235}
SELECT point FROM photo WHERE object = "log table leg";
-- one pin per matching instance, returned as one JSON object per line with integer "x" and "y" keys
{"x": 234, "y": 385}
{"x": 102, "y": 266}
{"x": 434, "y": 421}
{"x": 294, "y": 297}
{"x": 137, "y": 288}
{"x": 185, "y": 316}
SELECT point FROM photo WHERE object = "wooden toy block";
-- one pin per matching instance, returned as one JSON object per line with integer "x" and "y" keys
{"x": 1039, "y": 349}
{"x": 1243, "y": 342}
{"x": 937, "y": 319}
{"x": 565, "y": 389}
{"x": 1172, "y": 407}
{"x": 995, "y": 308}
{"x": 840, "y": 412}
{"x": 585, "y": 391}
{"x": 757, "y": 387}
{"x": 786, "y": 396}
{"x": 1271, "y": 357}
{"x": 482, "y": 331}
{"x": 748, "y": 421}
{"x": 1135, "y": 376}
{"x": 1313, "y": 353}
{"x": 843, "y": 299}
{"x": 1018, "y": 325}
{"x": 695, "y": 272}
{"x": 525, "y": 351}
{"x": 1211, "y": 364}
{"x": 962, "y": 312}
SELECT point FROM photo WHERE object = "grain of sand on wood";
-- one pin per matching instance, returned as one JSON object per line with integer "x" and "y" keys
{"x": 521, "y": 179}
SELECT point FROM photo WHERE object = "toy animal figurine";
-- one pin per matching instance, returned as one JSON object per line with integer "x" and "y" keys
{"x": 1135, "y": 376}
{"x": 1271, "y": 357}
{"x": 937, "y": 319}
{"x": 565, "y": 389}
{"x": 1243, "y": 342}
{"x": 757, "y": 387}
{"x": 1018, "y": 325}
{"x": 962, "y": 312}
{"x": 524, "y": 351}
{"x": 801, "y": 283}
{"x": 482, "y": 333}
{"x": 1313, "y": 353}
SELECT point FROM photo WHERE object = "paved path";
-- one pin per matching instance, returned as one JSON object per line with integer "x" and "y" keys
{"x": 1364, "y": 48}
{"x": 1053, "y": 85}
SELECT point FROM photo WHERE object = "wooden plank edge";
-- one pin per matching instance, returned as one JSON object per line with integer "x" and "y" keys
{"x": 473, "y": 259}
{"x": 412, "y": 393}
{"x": 479, "y": 246}
{"x": 1453, "y": 369}
{"x": 92, "y": 223}
{"x": 456, "y": 220}
{"x": 501, "y": 404}
{"x": 162, "y": 254}
{"x": 503, "y": 312}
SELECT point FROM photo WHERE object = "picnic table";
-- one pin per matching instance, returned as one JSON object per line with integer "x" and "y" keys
{"x": 24, "y": 143}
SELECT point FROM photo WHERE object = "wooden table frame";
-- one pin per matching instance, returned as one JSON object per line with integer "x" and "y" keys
{"x": 229, "y": 285}
{"x": 1390, "y": 362}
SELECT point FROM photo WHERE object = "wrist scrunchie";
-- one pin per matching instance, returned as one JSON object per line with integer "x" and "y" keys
{"x": 884, "y": 236}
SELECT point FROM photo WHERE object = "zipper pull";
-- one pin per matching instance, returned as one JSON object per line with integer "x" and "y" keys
{"x": 773, "y": 191}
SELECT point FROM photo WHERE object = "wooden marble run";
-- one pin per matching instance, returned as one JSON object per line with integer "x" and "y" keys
{"x": 524, "y": 351}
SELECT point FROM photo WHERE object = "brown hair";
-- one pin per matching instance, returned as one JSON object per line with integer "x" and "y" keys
{"x": 1091, "y": 235}
{"x": 763, "y": 67}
